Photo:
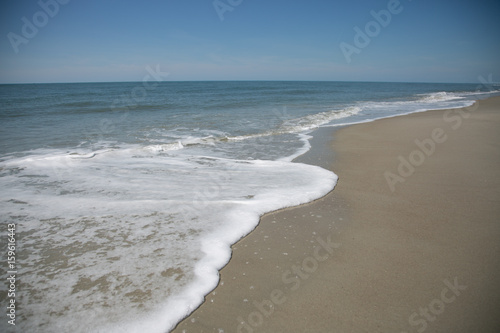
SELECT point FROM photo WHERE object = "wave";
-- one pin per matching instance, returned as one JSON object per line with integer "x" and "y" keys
{"x": 444, "y": 96}
{"x": 441, "y": 96}
{"x": 316, "y": 120}
{"x": 292, "y": 126}
{"x": 165, "y": 147}
{"x": 303, "y": 124}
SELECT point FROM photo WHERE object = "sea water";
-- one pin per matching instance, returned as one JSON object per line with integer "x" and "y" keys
{"x": 126, "y": 200}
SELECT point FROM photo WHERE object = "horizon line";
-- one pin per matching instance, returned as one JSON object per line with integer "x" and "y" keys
{"x": 242, "y": 80}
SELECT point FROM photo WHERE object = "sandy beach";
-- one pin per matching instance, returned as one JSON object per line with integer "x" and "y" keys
{"x": 408, "y": 241}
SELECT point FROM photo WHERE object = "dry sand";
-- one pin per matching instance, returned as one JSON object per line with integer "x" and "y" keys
{"x": 420, "y": 257}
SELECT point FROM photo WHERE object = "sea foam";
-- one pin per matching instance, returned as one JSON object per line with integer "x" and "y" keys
{"x": 136, "y": 235}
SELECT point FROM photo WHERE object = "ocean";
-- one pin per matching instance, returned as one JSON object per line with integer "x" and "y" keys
{"x": 126, "y": 197}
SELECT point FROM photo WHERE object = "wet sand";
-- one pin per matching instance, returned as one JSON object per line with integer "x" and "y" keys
{"x": 408, "y": 241}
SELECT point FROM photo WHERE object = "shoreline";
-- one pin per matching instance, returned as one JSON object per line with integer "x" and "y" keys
{"x": 368, "y": 255}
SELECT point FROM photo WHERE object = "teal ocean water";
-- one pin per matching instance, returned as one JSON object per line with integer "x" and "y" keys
{"x": 126, "y": 197}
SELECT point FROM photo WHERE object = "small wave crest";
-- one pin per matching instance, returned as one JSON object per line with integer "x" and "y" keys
{"x": 165, "y": 147}
{"x": 289, "y": 126}
{"x": 441, "y": 96}
{"x": 304, "y": 124}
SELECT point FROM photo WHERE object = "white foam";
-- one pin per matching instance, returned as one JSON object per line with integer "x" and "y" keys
{"x": 371, "y": 111}
{"x": 395, "y": 111}
{"x": 165, "y": 147}
{"x": 131, "y": 239}
{"x": 304, "y": 138}
{"x": 303, "y": 124}
{"x": 439, "y": 97}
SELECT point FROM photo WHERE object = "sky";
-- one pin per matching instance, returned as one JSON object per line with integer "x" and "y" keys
{"x": 324, "y": 40}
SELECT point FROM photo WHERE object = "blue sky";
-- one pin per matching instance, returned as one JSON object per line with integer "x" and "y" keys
{"x": 116, "y": 40}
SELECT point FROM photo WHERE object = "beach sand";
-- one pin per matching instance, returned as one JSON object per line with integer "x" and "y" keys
{"x": 422, "y": 256}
